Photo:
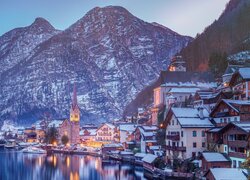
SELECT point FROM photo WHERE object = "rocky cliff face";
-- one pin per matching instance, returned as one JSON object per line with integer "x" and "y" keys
{"x": 109, "y": 53}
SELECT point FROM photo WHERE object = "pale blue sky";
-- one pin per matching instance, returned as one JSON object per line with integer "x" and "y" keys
{"x": 187, "y": 17}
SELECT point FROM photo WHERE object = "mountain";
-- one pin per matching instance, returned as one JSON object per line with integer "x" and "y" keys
{"x": 17, "y": 44}
{"x": 230, "y": 34}
{"x": 110, "y": 54}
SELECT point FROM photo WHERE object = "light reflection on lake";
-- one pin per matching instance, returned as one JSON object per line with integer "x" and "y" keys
{"x": 20, "y": 166}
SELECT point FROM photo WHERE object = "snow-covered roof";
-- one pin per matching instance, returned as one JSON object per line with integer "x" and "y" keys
{"x": 216, "y": 129}
{"x": 195, "y": 122}
{"x": 228, "y": 173}
{"x": 188, "y": 112}
{"x": 127, "y": 127}
{"x": 148, "y": 133}
{"x": 126, "y": 153}
{"x": 149, "y": 128}
{"x": 154, "y": 147}
{"x": 245, "y": 73}
{"x": 184, "y": 90}
{"x": 110, "y": 125}
{"x": 214, "y": 157}
{"x": 189, "y": 117}
{"x": 232, "y": 103}
{"x": 55, "y": 123}
{"x": 142, "y": 155}
{"x": 149, "y": 158}
{"x": 113, "y": 145}
{"x": 245, "y": 126}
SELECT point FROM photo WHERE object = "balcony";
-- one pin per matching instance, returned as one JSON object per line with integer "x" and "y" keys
{"x": 175, "y": 148}
{"x": 173, "y": 137}
{"x": 221, "y": 114}
{"x": 237, "y": 143}
{"x": 237, "y": 155}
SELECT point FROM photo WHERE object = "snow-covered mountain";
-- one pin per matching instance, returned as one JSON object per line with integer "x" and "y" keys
{"x": 109, "y": 53}
{"x": 18, "y": 43}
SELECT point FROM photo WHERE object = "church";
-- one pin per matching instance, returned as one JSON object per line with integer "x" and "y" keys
{"x": 71, "y": 127}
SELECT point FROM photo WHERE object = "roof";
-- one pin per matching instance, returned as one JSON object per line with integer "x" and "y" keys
{"x": 228, "y": 173}
{"x": 189, "y": 117}
{"x": 113, "y": 145}
{"x": 188, "y": 112}
{"x": 140, "y": 155}
{"x": 216, "y": 129}
{"x": 214, "y": 157}
{"x": 110, "y": 125}
{"x": 234, "y": 103}
{"x": 127, "y": 127}
{"x": 184, "y": 90}
{"x": 244, "y": 72}
{"x": 150, "y": 128}
{"x": 245, "y": 126}
{"x": 149, "y": 158}
{"x": 155, "y": 147}
{"x": 195, "y": 122}
{"x": 126, "y": 153}
{"x": 55, "y": 123}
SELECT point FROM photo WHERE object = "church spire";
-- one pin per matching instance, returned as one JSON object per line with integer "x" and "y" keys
{"x": 74, "y": 99}
{"x": 74, "y": 111}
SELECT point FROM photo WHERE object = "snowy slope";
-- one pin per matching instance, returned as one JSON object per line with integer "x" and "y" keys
{"x": 109, "y": 53}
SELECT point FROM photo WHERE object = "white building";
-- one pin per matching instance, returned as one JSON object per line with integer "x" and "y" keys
{"x": 125, "y": 131}
{"x": 107, "y": 132}
{"x": 185, "y": 132}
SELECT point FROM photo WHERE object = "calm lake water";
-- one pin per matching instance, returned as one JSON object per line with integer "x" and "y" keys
{"x": 16, "y": 165}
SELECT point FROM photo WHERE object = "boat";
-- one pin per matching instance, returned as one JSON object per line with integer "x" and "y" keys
{"x": 34, "y": 150}
{"x": 10, "y": 144}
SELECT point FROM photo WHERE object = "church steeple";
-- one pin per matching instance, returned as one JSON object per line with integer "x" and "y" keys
{"x": 74, "y": 99}
{"x": 74, "y": 111}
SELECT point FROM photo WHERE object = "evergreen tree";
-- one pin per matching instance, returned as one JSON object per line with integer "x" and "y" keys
{"x": 217, "y": 63}
{"x": 64, "y": 139}
{"x": 51, "y": 135}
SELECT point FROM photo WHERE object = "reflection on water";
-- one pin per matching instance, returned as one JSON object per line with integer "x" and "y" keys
{"x": 16, "y": 165}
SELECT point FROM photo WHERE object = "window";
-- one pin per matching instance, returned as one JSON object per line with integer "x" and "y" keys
{"x": 172, "y": 122}
{"x": 194, "y": 133}
{"x": 203, "y": 133}
{"x": 235, "y": 119}
{"x": 181, "y": 133}
{"x": 182, "y": 144}
{"x": 194, "y": 144}
{"x": 203, "y": 144}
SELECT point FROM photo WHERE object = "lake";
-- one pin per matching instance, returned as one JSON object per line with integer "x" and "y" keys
{"x": 15, "y": 165}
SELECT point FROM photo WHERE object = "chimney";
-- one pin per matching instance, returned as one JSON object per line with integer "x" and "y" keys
{"x": 201, "y": 114}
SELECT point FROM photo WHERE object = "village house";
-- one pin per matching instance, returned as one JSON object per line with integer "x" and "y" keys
{"x": 240, "y": 84}
{"x": 125, "y": 131}
{"x": 185, "y": 132}
{"x": 88, "y": 135}
{"x": 227, "y": 110}
{"x": 226, "y": 77}
{"x": 145, "y": 136}
{"x": 235, "y": 141}
{"x": 107, "y": 132}
{"x": 225, "y": 173}
{"x": 149, "y": 162}
{"x": 214, "y": 160}
{"x": 209, "y": 98}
